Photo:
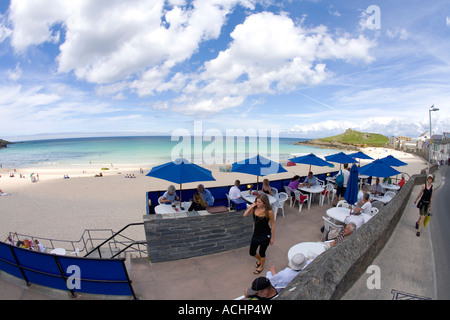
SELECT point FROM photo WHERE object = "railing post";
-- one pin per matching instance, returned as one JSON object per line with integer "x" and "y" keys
{"x": 19, "y": 266}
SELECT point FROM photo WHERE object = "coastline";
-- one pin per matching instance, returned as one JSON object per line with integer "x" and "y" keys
{"x": 61, "y": 208}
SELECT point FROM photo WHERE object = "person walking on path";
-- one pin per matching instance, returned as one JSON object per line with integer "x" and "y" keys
{"x": 424, "y": 205}
{"x": 263, "y": 231}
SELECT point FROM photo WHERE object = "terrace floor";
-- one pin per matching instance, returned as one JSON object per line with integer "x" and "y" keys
{"x": 228, "y": 274}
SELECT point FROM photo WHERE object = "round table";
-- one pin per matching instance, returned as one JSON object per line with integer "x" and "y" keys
{"x": 340, "y": 213}
{"x": 312, "y": 189}
{"x": 309, "y": 249}
{"x": 251, "y": 197}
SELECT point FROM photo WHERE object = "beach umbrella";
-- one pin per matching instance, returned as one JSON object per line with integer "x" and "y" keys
{"x": 351, "y": 193}
{"x": 257, "y": 166}
{"x": 393, "y": 161}
{"x": 181, "y": 171}
{"x": 312, "y": 160}
{"x": 360, "y": 155}
{"x": 378, "y": 168}
{"x": 340, "y": 158}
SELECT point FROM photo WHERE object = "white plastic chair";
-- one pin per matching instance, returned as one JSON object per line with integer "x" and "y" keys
{"x": 159, "y": 200}
{"x": 374, "y": 211}
{"x": 327, "y": 223}
{"x": 274, "y": 191}
{"x": 390, "y": 193}
{"x": 229, "y": 200}
{"x": 331, "y": 192}
{"x": 343, "y": 203}
{"x": 289, "y": 192}
{"x": 280, "y": 203}
{"x": 75, "y": 253}
{"x": 298, "y": 198}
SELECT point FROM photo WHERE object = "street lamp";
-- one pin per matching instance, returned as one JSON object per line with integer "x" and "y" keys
{"x": 432, "y": 108}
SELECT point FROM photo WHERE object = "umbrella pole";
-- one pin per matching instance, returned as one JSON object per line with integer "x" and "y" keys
{"x": 181, "y": 187}
{"x": 257, "y": 183}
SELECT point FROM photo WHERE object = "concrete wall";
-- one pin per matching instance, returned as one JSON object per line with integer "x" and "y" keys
{"x": 185, "y": 237}
{"x": 333, "y": 272}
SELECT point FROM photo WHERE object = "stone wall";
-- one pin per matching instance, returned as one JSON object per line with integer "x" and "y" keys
{"x": 333, "y": 272}
{"x": 181, "y": 237}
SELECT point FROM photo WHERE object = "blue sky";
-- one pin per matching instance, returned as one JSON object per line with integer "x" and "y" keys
{"x": 306, "y": 68}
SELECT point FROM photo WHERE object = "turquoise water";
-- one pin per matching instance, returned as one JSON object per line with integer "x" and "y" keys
{"x": 146, "y": 151}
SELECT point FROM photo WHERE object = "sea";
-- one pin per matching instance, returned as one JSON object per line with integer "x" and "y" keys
{"x": 148, "y": 151}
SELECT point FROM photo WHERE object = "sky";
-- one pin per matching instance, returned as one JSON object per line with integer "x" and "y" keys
{"x": 302, "y": 68}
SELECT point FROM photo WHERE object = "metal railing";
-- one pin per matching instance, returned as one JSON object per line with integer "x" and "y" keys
{"x": 92, "y": 240}
{"x": 123, "y": 241}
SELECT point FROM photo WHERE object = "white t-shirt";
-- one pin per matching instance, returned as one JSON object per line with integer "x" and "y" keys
{"x": 346, "y": 174}
{"x": 235, "y": 193}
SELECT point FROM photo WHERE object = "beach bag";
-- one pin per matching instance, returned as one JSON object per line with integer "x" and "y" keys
{"x": 427, "y": 219}
{"x": 340, "y": 180}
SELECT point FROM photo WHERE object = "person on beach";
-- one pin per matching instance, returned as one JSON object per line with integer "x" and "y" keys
{"x": 266, "y": 187}
{"x": 169, "y": 196}
{"x": 264, "y": 229}
{"x": 198, "y": 203}
{"x": 424, "y": 205}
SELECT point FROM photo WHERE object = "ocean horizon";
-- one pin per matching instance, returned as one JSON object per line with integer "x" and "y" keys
{"x": 148, "y": 151}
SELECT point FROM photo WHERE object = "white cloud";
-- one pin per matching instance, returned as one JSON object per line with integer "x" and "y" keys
{"x": 270, "y": 54}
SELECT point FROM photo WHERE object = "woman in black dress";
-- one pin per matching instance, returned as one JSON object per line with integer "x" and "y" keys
{"x": 264, "y": 229}
{"x": 424, "y": 205}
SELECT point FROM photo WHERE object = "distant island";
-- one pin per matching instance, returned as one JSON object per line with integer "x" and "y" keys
{"x": 4, "y": 143}
{"x": 349, "y": 140}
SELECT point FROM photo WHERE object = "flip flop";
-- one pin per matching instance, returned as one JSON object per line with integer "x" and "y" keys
{"x": 257, "y": 271}
{"x": 257, "y": 264}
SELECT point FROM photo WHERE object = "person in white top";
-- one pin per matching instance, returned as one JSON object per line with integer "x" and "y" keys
{"x": 235, "y": 192}
{"x": 281, "y": 279}
{"x": 366, "y": 205}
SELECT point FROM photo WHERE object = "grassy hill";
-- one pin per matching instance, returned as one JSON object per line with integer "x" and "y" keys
{"x": 350, "y": 140}
{"x": 356, "y": 138}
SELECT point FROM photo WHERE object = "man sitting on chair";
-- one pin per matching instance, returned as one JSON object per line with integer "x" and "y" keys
{"x": 235, "y": 192}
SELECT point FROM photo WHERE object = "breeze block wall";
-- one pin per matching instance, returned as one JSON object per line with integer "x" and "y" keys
{"x": 180, "y": 236}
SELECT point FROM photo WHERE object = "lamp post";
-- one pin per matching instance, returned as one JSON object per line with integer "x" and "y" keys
{"x": 432, "y": 108}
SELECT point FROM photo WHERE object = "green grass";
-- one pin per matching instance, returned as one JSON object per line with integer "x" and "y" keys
{"x": 357, "y": 138}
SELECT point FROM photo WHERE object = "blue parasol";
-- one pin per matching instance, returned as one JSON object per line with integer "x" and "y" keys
{"x": 340, "y": 158}
{"x": 392, "y": 161}
{"x": 181, "y": 171}
{"x": 378, "y": 168}
{"x": 312, "y": 160}
{"x": 257, "y": 166}
{"x": 351, "y": 193}
{"x": 360, "y": 155}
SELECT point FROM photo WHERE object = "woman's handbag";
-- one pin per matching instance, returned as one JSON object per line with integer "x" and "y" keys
{"x": 420, "y": 204}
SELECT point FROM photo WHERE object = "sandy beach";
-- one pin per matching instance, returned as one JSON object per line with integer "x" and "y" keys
{"x": 60, "y": 208}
